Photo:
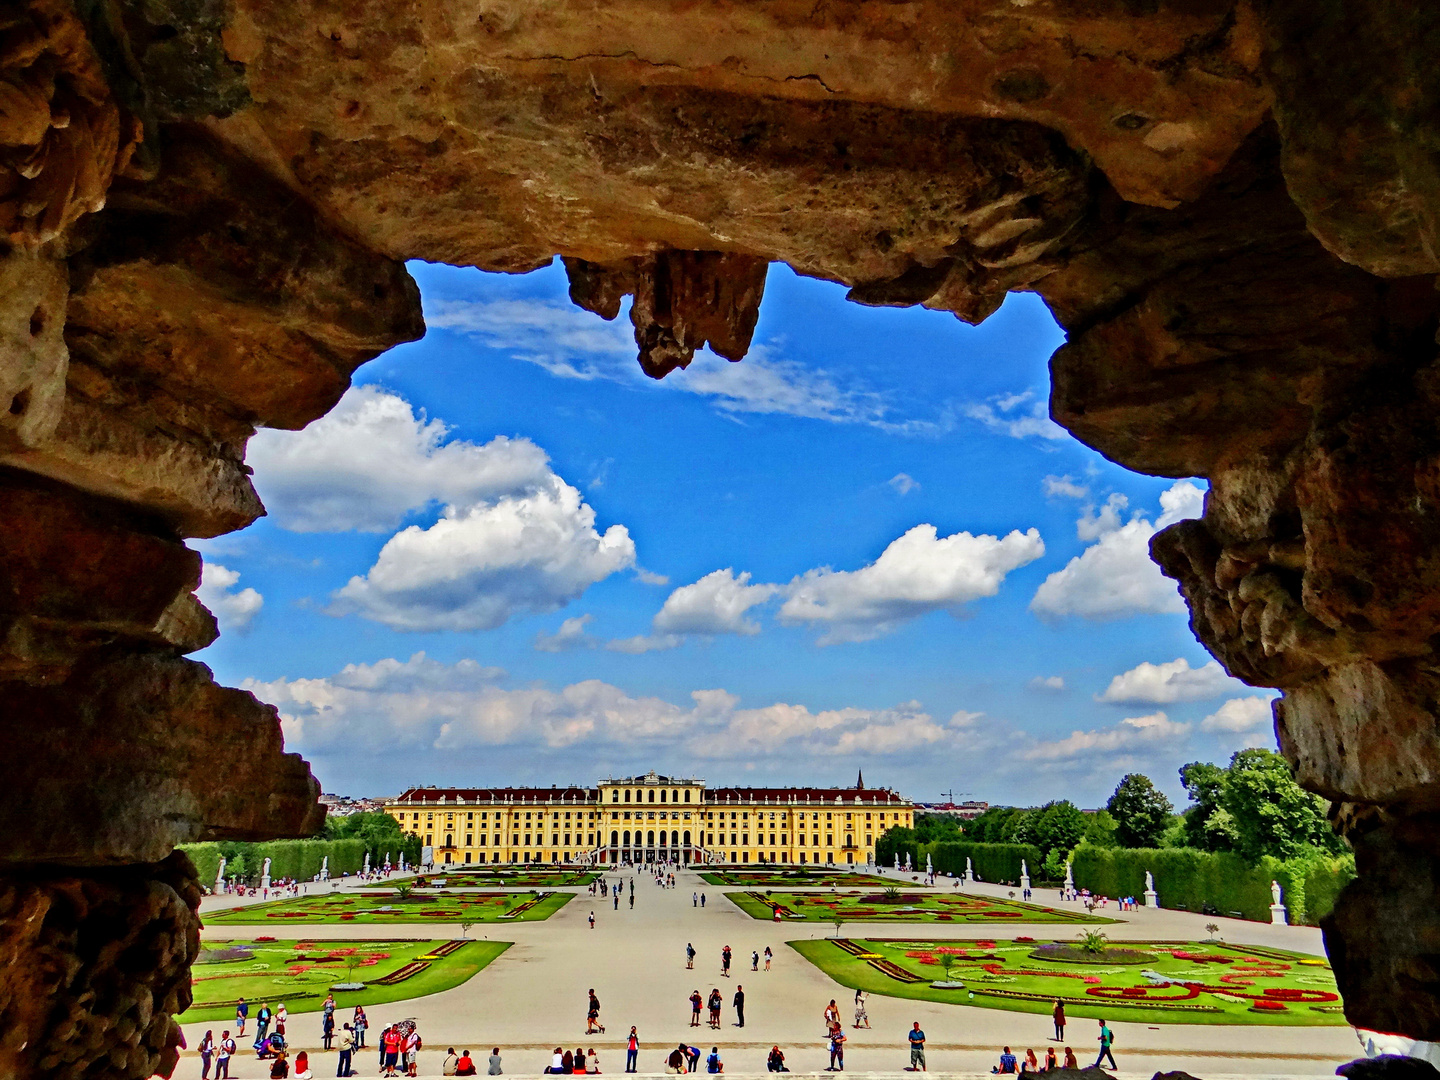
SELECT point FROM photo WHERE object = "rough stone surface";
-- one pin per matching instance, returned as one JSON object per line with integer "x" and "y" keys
{"x": 93, "y": 967}
{"x": 134, "y": 753}
{"x": 1231, "y": 208}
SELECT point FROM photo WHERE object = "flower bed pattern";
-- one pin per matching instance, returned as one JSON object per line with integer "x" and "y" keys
{"x": 854, "y": 906}
{"x": 1186, "y": 983}
{"x": 387, "y": 907}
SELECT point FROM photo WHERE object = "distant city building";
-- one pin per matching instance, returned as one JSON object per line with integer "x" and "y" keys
{"x": 966, "y": 811}
{"x": 651, "y": 818}
{"x": 344, "y": 806}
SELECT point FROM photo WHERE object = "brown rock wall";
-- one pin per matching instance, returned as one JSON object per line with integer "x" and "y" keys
{"x": 93, "y": 966}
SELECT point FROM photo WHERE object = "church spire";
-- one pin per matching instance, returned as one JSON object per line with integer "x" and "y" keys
{"x": 860, "y": 780}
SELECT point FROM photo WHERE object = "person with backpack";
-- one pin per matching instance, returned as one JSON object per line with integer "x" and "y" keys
{"x": 689, "y": 955}
{"x": 224, "y": 1050}
{"x": 695, "y": 1004}
{"x": 713, "y": 1064}
{"x": 207, "y": 1051}
{"x": 1107, "y": 1040}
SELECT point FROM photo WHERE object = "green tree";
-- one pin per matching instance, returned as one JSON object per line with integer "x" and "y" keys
{"x": 1100, "y": 829}
{"x": 937, "y": 828}
{"x": 1141, "y": 811}
{"x": 898, "y": 838}
{"x": 1272, "y": 814}
{"x": 1058, "y": 826}
{"x": 1205, "y": 784}
{"x": 381, "y": 832}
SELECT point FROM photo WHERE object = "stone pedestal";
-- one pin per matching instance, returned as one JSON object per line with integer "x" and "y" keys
{"x": 1278, "y": 916}
{"x": 1152, "y": 898}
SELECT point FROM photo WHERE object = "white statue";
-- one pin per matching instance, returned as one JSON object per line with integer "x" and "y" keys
{"x": 897, "y": 860}
{"x": 220, "y": 877}
{"x": 367, "y": 863}
{"x": 1275, "y": 893}
{"x": 402, "y": 862}
{"x": 325, "y": 868}
{"x": 265, "y": 876}
{"x": 1149, "y": 882}
{"x": 1024, "y": 877}
{"x": 1069, "y": 877}
{"x": 907, "y": 862}
{"x": 969, "y": 870}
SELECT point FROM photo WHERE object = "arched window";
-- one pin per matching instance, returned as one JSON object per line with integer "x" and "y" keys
{"x": 614, "y": 839}
{"x": 449, "y": 840}
{"x": 662, "y": 796}
{"x": 615, "y": 794}
{"x": 627, "y": 794}
{"x": 652, "y": 796}
{"x": 627, "y": 837}
{"x": 674, "y": 838}
{"x": 687, "y": 794}
{"x": 687, "y": 837}
{"x": 651, "y": 838}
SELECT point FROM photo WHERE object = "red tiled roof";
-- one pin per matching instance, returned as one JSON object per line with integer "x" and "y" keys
{"x": 429, "y": 795}
{"x": 800, "y": 794}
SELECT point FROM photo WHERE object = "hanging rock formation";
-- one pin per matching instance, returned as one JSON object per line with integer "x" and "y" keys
{"x": 206, "y": 208}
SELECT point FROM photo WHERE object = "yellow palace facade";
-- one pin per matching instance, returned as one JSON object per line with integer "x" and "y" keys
{"x": 651, "y": 818}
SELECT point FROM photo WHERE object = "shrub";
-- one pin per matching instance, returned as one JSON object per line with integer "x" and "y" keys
{"x": 992, "y": 862}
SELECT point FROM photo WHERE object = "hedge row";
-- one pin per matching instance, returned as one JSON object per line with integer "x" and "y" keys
{"x": 1190, "y": 879}
{"x": 996, "y": 863}
{"x": 298, "y": 859}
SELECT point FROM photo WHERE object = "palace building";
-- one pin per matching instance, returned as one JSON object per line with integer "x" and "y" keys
{"x": 651, "y": 818}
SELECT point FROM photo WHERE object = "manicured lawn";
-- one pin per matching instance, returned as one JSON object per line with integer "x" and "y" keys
{"x": 1214, "y": 983}
{"x": 858, "y": 906}
{"x": 793, "y": 879}
{"x": 301, "y": 973}
{"x": 510, "y": 879}
{"x": 388, "y": 907}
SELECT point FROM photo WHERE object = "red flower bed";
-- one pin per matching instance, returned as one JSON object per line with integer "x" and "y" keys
{"x": 1267, "y": 1006}
{"x": 1145, "y": 993}
{"x": 264, "y": 938}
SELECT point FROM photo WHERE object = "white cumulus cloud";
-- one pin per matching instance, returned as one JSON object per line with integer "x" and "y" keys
{"x": 918, "y": 573}
{"x": 234, "y": 609}
{"x": 1049, "y": 684}
{"x": 479, "y": 565}
{"x": 371, "y": 460}
{"x": 1238, "y": 715}
{"x": 903, "y": 483}
{"x": 1064, "y": 487}
{"x": 1020, "y": 416}
{"x": 1114, "y": 577}
{"x": 1165, "y": 684}
{"x": 1134, "y": 733}
{"x": 716, "y": 604}
{"x": 571, "y": 635}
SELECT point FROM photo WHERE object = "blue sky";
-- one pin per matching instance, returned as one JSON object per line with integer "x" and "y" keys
{"x": 509, "y": 557}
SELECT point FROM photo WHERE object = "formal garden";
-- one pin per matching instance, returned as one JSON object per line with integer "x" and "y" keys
{"x": 896, "y": 905}
{"x": 520, "y": 878}
{"x": 1157, "y": 982}
{"x": 302, "y": 973}
{"x": 400, "y": 905}
{"x": 792, "y": 879}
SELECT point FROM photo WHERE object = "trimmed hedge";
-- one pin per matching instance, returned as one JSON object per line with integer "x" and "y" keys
{"x": 298, "y": 859}
{"x": 1189, "y": 878}
{"x": 994, "y": 863}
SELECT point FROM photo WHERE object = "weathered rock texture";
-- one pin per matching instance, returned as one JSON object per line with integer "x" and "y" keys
{"x": 1231, "y": 207}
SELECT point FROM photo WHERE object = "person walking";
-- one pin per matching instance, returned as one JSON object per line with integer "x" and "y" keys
{"x": 725, "y": 961}
{"x": 837, "y": 1051}
{"x": 917, "y": 1049}
{"x": 242, "y": 1013}
{"x": 224, "y": 1051}
{"x": 592, "y": 1015}
{"x": 695, "y": 1003}
{"x": 592, "y": 920}
{"x": 360, "y": 1022}
{"x": 768, "y": 957}
{"x": 207, "y": 1051}
{"x": 832, "y": 1015}
{"x": 632, "y": 896}
{"x": 632, "y": 1044}
{"x": 754, "y": 960}
{"x": 1107, "y": 1040}
{"x": 1058, "y": 1015}
{"x": 702, "y": 900}
{"x": 862, "y": 1017}
{"x": 739, "y": 1003}
{"x": 616, "y": 897}
{"x": 689, "y": 955}
{"x": 694, "y": 899}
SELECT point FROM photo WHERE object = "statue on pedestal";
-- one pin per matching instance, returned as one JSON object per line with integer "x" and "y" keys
{"x": 220, "y": 877}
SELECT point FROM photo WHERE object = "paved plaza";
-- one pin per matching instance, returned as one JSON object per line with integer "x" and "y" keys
{"x": 533, "y": 998}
